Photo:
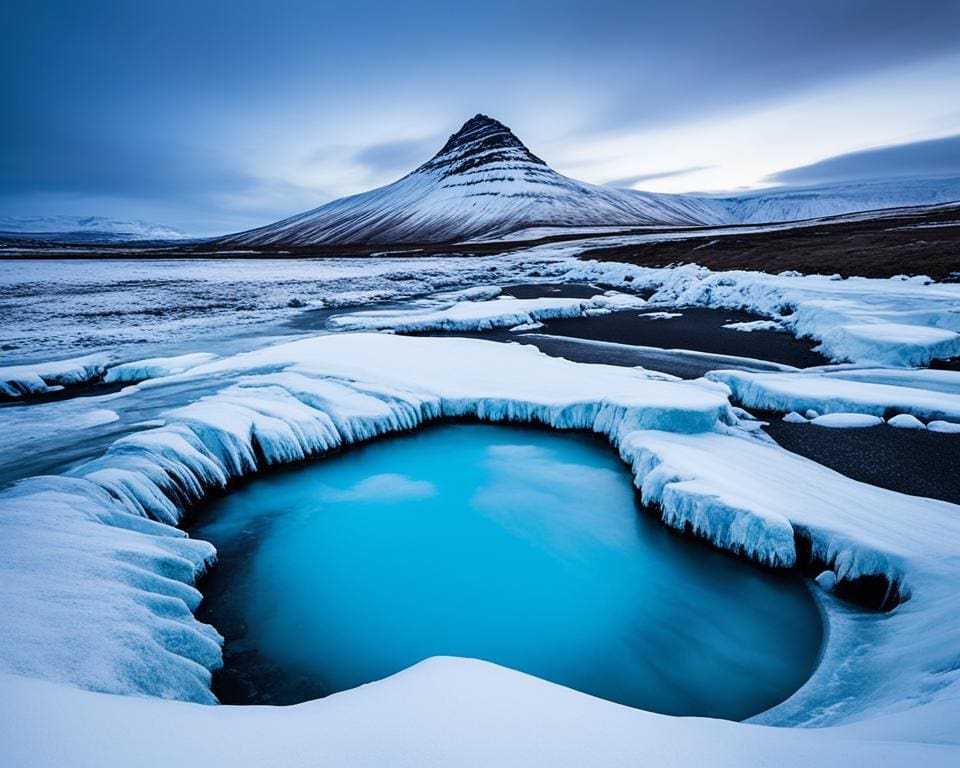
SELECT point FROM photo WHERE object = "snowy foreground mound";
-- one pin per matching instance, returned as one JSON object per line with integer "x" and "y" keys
{"x": 97, "y": 583}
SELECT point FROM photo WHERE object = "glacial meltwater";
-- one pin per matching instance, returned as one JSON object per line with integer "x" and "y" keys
{"x": 520, "y": 546}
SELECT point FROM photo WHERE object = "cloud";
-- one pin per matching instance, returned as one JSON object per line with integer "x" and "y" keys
{"x": 935, "y": 157}
{"x": 629, "y": 181}
{"x": 393, "y": 157}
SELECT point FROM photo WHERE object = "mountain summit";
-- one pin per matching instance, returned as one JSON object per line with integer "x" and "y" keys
{"x": 482, "y": 184}
{"x": 481, "y": 141}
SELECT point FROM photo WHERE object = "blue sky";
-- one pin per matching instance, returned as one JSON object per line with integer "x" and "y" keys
{"x": 217, "y": 116}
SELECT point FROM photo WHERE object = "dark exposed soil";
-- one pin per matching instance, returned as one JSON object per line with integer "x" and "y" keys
{"x": 925, "y": 241}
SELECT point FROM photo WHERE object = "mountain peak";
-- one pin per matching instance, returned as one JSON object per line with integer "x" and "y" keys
{"x": 481, "y": 141}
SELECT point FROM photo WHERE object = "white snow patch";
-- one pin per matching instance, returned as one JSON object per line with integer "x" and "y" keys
{"x": 906, "y": 421}
{"x": 660, "y": 315}
{"x": 847, "y": 420}
{"x": 862, "y": 320}
{"x": 526, "y": 327}
{"x": 755, "y": 325}
{"x": 948, "y": 427}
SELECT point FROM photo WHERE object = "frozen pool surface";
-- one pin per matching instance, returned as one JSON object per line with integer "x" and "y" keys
{"x": 519, "y": 546}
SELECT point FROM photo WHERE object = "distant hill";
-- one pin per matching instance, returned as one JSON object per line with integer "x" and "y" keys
{"x": 85, "y": 229}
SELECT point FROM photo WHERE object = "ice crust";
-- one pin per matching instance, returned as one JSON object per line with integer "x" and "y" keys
{"x": 155, "y": 367}
{"x": 468, "y": 315}
{"x": 41, "y": 378}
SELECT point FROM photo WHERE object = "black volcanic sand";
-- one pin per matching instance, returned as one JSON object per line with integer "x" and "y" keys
{"x": 912, "y": 461}
{"x": 697, "y": 329}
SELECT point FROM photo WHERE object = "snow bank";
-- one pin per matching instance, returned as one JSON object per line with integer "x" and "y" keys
{"x": 944, "y": 426}
{"x": 912, "y": 344}
{"x": 845, "y": 391}
{"x": 504, "y": 312}
{"x": 906, "y": 421}
{"x": 154, "y": 367}
{"x": 94, "y": 594}
{"x": 39, "y": 378}
{"x": 441, "y": 713}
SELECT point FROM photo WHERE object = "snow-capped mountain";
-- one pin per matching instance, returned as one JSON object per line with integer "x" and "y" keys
{"x": 86, "y": 229}
{"x": 483, "y": 183}
{"x": 795, "y": 203}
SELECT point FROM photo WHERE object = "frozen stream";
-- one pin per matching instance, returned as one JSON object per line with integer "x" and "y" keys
{"x": 512, "y": 545}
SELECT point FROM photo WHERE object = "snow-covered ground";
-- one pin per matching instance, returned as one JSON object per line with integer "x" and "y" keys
{"x": 97, "y": 583}
{"x": 100, "y": 580}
